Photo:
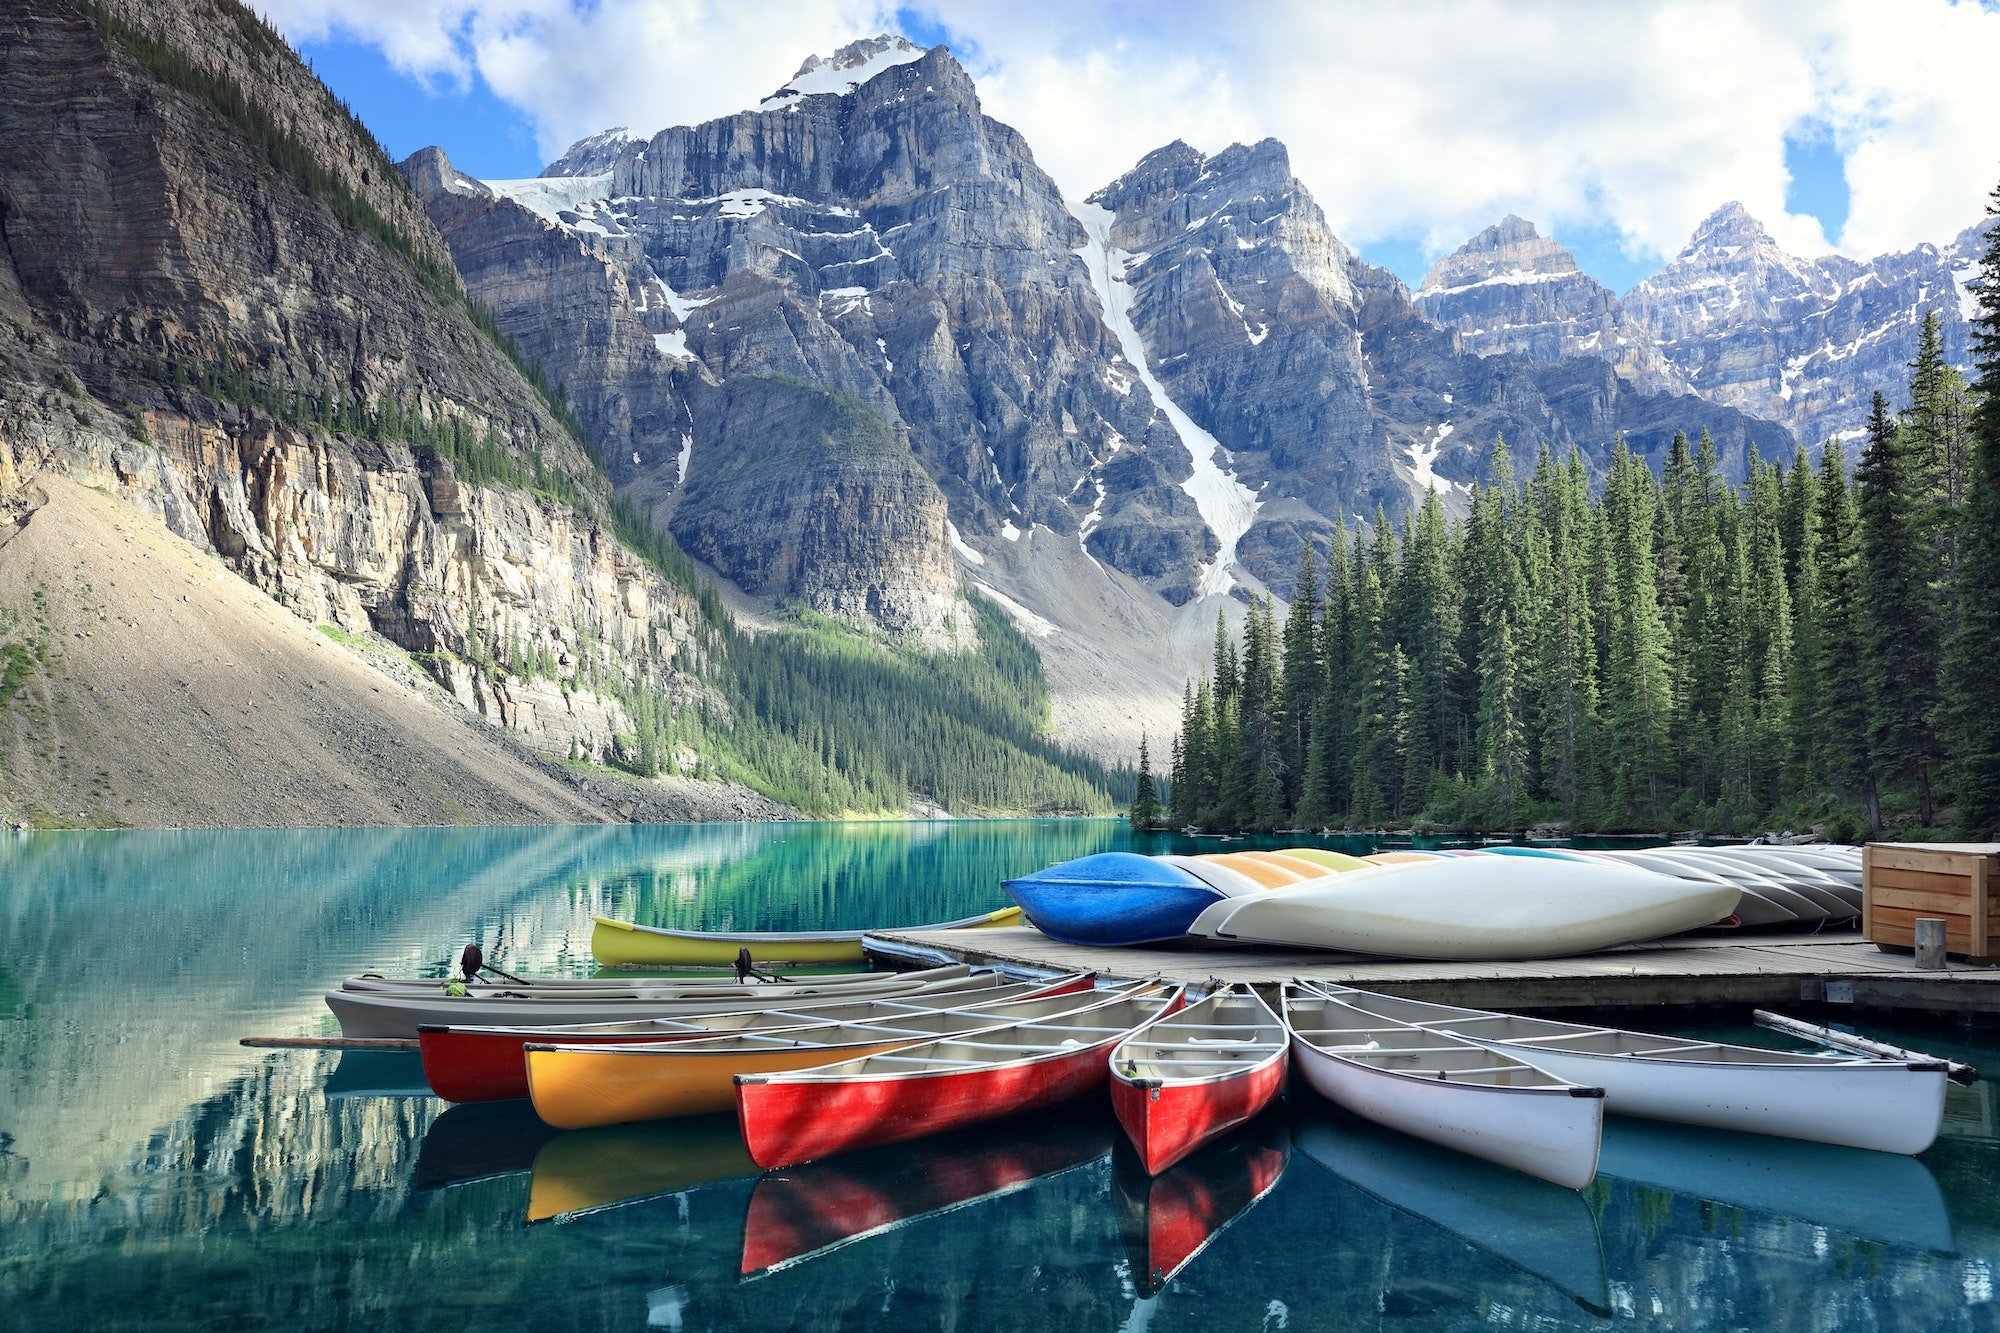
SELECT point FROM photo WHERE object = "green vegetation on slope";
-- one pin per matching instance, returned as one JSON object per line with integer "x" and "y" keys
{"x": 1676, "y": 652}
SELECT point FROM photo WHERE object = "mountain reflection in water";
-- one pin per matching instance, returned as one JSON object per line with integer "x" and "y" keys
{"x": 153, "y": 1174}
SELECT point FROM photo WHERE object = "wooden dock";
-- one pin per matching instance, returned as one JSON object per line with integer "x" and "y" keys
{"x": 1825, "y": 968}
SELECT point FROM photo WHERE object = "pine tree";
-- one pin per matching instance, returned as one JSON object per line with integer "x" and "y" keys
{"x": 1840, "y": 708}
{"x": 1568, "y": 663}
{"x": 1901, "y": 642}
{"x": 1425, "y": 623}
{"x": 1145, "y": 800}
{"x": 1303, "y": 671}
{"x": 1637, "y": 699}
{"x": 1493, "y": 542}
{"x": 1181, "y": 791}
{"x": 1970, "y": 716}
{"x": 1801, "y": 771}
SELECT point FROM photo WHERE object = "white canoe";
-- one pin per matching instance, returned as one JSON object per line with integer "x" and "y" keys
{"x": 1857, "y": 1102}
{"x": 399, "y": 1013}
{"x": 626, "y": 985}
{"x": 1447, "y": 1090}
{"x": 1757, "y": 888}
{"x": 1471, "y": 908}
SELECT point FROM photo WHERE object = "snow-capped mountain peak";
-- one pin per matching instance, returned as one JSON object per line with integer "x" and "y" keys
{"x": 846, "y": 69}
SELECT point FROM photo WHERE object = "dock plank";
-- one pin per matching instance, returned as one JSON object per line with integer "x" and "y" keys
{"x": 1734, "y": 968}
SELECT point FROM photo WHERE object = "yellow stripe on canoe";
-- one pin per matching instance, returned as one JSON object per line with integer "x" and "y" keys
{"x": 1331, "y": 860}
{"x": 621, "y": 944}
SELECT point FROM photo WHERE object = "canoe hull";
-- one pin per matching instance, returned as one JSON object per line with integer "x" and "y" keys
{"x": 583, "y": 1089}
{"x": 1550, "y": 1133}
{"x": 623, "y": 944}
{"x": 791, "y": 1120}
{"x": 1885, "y": 1107}
{"x": 787, "y": 1123}
{"x": 1168, "y": 1121}
{"x": 1112, "y": 898}
{"x": 490, "y": 1066}
{"x": 1491, "y": 907}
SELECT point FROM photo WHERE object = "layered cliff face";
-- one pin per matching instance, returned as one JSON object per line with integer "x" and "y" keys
{"x": 869, "y": 232}
{"x": 1326, "y": 391}
{"x": 280, "y": 365}
{"x": 1510, "y": 289}
{"x": 1733, "y": 318}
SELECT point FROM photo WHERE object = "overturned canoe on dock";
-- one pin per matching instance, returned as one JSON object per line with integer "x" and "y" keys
{"x": 940, "y": 1085}
{"x": 1445, "y": 1089}
{"x": 1854, "y": 1101}
{"x": 1122, "y": 898}
{"x": 1489, "y": 907}
{"x": 624, "y": 944}
{"x": 1186, "y": 1079}
{"x": 466, "y": 1063}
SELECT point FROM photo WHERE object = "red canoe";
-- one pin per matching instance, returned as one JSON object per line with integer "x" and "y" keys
{"x": 936, "y": 1086}
{"x": 488, "y": 1064}
{"x": 1170, "y": 1218}
{"x": 1186, "y": 1079}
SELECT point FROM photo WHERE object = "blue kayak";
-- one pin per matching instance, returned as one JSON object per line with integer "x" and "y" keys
{"x": 1112, "y": 898}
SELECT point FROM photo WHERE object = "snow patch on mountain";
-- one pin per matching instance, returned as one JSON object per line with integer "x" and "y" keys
{"x": 1226, "y": 504}
{"x": 845, "y": 70}
{"x": 1423, "y": 461}
{"x": 549, "y": 196}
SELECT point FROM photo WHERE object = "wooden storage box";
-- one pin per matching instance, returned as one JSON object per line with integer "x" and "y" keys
{"x": 1958, "y": 881}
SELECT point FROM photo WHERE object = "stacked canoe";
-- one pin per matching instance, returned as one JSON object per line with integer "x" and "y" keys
{"x": 1478, "y": 903}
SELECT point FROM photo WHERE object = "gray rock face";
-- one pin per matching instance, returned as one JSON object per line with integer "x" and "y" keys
{"x": 1807, "y": 342}
{"x": 1510, "y": 289}
{"x": 889, "y": 243}
{"x": 138, "y": 229}
{"x": 1733, "y": 317}
{"x": 817, "y": 488}
{"x": 1327, "y": 390}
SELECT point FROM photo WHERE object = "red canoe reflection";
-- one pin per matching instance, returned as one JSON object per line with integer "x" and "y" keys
{"x": 805, "y": 1211}
{"x": 1170, "y": 1218}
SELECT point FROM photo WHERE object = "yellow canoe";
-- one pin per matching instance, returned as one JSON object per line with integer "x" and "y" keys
{"x": 623, "y": 944}
{"x": 575, "y": 1087}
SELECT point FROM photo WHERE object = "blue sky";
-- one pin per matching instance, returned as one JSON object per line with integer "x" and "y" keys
{"x": 1849, "y": 124}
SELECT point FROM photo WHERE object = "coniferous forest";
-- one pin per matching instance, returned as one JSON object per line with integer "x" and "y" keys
{"x": 1811, "y": 648}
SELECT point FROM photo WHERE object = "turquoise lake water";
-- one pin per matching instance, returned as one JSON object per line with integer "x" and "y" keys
{"x": 156, "y": 1175}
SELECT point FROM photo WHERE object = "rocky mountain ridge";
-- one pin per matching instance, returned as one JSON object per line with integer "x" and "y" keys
{"x": 1733, "y": 317}
{"x": 280, "y": 365}
{"x": 1186, "y": 376}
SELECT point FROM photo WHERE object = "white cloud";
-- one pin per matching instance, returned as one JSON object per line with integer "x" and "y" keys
{"x": 1404, "y": 119}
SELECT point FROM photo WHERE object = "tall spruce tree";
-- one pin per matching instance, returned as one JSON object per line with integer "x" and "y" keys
{"x": 1145, "y": 811}
{"x": 1840, "y": 711}
{"x": 1971, "y": 719}
{"x": 1567, "y": 669}
{"x": 1900, "y": 643}
{"x": 1637, "y": 696}
{"x": 1302, "y": 674}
